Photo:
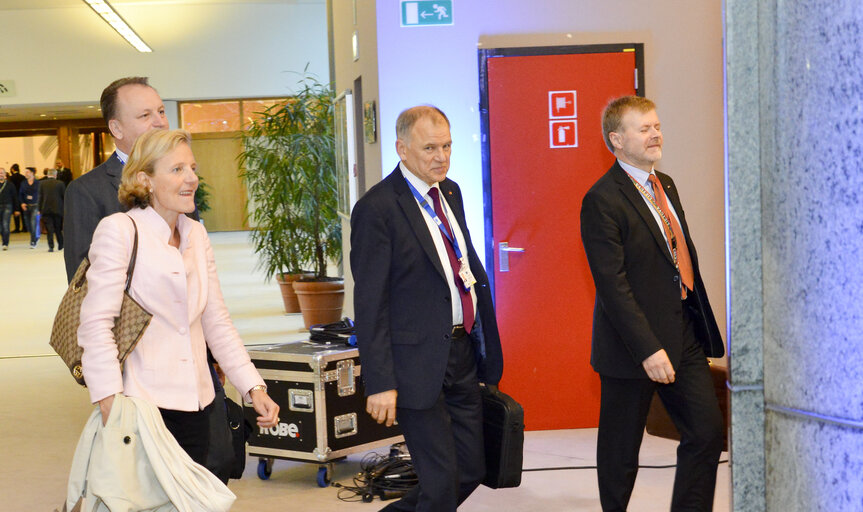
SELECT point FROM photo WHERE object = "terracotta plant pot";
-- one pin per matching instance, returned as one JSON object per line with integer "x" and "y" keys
{"x": 286, "y": 285}
{"x": 320, "y": 301}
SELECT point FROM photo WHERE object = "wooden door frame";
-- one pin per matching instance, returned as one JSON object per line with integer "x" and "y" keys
{"x": 485, "y": 139}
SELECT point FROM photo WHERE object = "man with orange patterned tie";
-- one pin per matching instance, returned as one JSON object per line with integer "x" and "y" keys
{"x": 652, "y": 323}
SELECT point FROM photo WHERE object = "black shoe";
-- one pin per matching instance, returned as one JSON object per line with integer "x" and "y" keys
{"x": 50, "y": 249}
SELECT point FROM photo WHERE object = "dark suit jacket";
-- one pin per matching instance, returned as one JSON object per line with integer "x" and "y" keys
{"x": 89, "y": 198}
{"x": 65, "y": 175}
{"x": 638, "y": 309}
{"x": 51, "y": 192}
{"x": 402, "y": 297}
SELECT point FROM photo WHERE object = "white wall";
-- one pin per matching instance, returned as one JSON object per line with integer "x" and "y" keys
{"x": 201, "y": 50}
{"x": 27, "y": 152}
{"x": 683, "y": 57}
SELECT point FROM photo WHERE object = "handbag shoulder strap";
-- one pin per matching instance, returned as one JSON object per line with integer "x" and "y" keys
{"x": 131, "y": 270}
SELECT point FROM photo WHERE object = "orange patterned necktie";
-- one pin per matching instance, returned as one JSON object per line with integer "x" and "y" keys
{"x": 684, "y": 263}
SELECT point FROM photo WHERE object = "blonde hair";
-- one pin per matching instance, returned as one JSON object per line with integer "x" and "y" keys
{"x": 150, "y": 147}
{"x": 614, "y": 112}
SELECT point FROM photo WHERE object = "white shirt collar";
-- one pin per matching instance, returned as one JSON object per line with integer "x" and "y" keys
{"x": 122, "y": 156}
{"x": 421, "y": 186}
{"x": 640, "y": 175}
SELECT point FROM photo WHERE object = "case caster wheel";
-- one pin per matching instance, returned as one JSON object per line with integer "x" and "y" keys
{"x": 265, "y": 468}
{"x": 324, "y": 475}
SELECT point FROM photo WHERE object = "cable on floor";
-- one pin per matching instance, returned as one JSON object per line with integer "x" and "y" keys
{"x": 384, "y": 476}
{"x": 640, "y": 466}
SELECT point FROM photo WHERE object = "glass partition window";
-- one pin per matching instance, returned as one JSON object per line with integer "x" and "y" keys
{"x": 222, "y": 116}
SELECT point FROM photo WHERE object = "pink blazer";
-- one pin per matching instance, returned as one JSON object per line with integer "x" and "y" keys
{"x": 181, "y": 289}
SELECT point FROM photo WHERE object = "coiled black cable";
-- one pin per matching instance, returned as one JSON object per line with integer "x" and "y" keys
{"x": 383, "y": 476}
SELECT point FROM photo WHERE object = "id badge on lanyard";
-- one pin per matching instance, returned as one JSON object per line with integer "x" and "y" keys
{"x": 464, "y": 273}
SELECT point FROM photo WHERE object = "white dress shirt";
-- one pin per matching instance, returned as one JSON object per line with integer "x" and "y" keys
{"x": 438, "y": 237}
{"x": 642, "y": 178}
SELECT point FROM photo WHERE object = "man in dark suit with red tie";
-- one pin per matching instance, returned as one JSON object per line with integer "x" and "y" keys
{"x": 426, "y": 328}
{"x": 652, "y": 326}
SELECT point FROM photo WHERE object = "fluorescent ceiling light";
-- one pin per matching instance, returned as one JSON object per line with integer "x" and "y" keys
{"x": 104, "y": 9}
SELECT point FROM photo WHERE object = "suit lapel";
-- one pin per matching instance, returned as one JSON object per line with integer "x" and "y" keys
{"x": 634, "y": 197}
{"x": 408, "y": 204}
{"x": 455, "y": 207}
{"x": 671, "y": 193}
{"x": 114, "y": 170}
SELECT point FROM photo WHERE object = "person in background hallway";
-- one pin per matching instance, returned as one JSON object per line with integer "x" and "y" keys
{"x": 8, "y": 202}
{"x": 168, "y": 367}
{"x": 64, "y": 174}
{"x": 45, "y": 174}
{"x": 426, "y": 328}
{"x": 28, "y": 196}
{"x": 653, "y": 327}
{"x": 16, "y": 178}
{"x": 51, "y": 192}
{"x": 130, "y": 107}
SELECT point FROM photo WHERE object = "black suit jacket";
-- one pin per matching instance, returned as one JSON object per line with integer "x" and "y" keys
{"x": 402, "y": 297}
{"x": 88, "y": 200}
{"x": 65, "y": 175}
{"x": 638, "y": 310}
{"x": 51, "y": 192}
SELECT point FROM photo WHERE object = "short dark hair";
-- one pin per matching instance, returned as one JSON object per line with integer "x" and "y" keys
{"x": 408, "y": 118}
{"x": 108, "y": 101}
{"x": 616, "y": 109}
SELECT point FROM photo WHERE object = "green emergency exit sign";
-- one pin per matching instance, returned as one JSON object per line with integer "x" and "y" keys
{"x": 426, "y": 13}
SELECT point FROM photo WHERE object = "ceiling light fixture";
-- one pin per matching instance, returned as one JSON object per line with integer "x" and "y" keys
{"x": 104, "y": 9}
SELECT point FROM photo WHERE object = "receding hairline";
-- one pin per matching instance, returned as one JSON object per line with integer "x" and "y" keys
{"x": 408, "y": 118}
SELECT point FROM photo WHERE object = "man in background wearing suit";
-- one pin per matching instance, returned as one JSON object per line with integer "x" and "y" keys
{"x": 426, "y": 329}
{"x": 64, "y": 174}
{"x": 130, "y": 107}
{"x": 652, "y": 324}
{"x": 51, "y": 192}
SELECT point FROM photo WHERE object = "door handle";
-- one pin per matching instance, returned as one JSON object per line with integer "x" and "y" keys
{"x": 504, "y": 249}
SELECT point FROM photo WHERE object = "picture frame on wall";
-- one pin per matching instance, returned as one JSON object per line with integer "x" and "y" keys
{"x": 369, "y": 122}
{"x": 345, "y": 152}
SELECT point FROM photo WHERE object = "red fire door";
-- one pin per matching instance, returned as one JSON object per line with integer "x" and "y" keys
{"x": 544, "y": 149}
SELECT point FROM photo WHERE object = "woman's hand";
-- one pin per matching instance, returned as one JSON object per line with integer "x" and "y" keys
{"x": 266, "y": 407}
{"x": 105, "y": 405}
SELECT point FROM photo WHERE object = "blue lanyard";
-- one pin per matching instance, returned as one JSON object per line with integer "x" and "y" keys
{"x": 435, "y": 218}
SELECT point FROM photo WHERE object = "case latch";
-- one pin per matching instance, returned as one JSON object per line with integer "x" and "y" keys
{"x": 346, "y": 380}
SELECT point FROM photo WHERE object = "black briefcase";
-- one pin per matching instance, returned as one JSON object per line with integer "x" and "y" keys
{"x": 503, "y": 429}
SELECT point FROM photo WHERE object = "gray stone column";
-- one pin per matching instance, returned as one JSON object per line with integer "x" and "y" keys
{"x": 745, "y": 125}
{"x": 795, "y": 185}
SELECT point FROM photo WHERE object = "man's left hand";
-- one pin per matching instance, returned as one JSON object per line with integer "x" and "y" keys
{"x": 382, "y": 406}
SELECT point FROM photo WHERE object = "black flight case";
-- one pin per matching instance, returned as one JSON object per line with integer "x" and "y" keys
{"x": 322, "y": 404}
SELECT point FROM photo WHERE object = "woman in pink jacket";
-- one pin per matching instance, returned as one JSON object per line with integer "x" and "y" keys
{"x": 175, "y": 280}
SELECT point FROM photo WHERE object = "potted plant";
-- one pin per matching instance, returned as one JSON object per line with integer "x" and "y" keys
{"x": 290, "y": 172}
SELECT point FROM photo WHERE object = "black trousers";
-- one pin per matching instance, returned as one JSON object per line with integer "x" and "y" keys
{"x": 445, "y": 441}
{"x": 692, "y": 405}
{"x": 204, "y": 434}
{"x": 54, "y": 227}
{"x": 191, "y": 430}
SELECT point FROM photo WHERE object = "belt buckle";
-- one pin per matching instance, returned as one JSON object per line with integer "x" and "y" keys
{"x": 458, "y": 331}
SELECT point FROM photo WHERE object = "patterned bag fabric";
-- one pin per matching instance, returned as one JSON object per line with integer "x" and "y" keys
{"x": 128, "y": 327}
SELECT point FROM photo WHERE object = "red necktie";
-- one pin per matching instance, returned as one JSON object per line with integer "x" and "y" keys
{"x": 466, "y": 300}
{"x": 684, "y": 263}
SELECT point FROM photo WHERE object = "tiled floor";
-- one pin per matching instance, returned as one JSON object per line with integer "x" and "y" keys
{"x": 44, "y": 410}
